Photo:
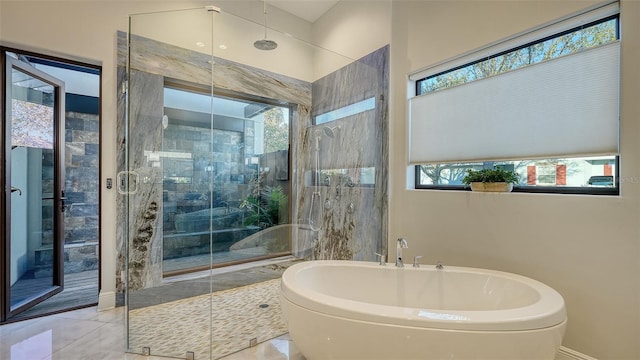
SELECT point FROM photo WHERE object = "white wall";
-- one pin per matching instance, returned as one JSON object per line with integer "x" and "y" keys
{"x": 19, "y": 210}
{"x": 586, "y": 247}
{"x": 352, "y": 28}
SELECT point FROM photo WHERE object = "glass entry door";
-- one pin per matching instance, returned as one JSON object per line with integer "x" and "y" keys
{"x": 33, "y": 179}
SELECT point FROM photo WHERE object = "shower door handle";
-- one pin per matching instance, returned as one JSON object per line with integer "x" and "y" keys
{"x": 127, "y": 182}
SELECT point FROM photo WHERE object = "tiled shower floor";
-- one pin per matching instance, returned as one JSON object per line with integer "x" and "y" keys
{"x": 231, "y": 317}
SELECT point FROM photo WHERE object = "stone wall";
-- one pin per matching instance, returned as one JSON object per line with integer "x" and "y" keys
{"x": 151, "y": 59}
{"x": 352, "y": 212}
{"x": 354, "y": 217}
{"x": 81, "y": 220}
{"x": 216, "y": 156}
{"x": 81, "y": 181}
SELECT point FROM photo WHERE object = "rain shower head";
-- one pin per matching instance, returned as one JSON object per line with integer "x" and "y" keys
{"x": 265, "y": 44}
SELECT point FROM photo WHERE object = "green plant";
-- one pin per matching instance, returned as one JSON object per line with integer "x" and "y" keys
{"x": 491, "y": 175}
{"x": 264, "y": 209}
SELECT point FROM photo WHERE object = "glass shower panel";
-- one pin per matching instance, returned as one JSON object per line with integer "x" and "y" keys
{"x": 276, "y": 182}
{"x": 229, "y": 179}
{"x": 165, "y": 318}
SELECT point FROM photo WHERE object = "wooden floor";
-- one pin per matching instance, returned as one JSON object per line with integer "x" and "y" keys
{"x": 80, "y": 289}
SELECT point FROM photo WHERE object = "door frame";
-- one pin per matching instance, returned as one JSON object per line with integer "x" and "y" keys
{"x": 58, "y": 187}
{"x": 74, "y": 63}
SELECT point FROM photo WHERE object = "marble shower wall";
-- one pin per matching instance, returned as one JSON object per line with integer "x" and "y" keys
{"x": 354, "y": 225}
{"x": 353, "y": 202}
{"x": 151, "y": 63}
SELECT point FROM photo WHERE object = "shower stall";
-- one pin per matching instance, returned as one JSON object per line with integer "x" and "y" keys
{"x": 235, "y": 162}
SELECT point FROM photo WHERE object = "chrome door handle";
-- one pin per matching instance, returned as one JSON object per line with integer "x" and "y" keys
{"x": 14, "y": 189}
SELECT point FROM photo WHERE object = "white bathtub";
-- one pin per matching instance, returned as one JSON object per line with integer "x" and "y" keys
{"x": 362, "y": 310}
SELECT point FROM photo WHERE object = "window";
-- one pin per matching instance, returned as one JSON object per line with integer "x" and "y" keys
{"x": 225, "y": 167}
{"x": 457, "y": 123}
{"x": 349, "y": 110}
{"x": 546, "y": 173}
{"x": 571, "y": 42}
{"x": 591, "y": 175}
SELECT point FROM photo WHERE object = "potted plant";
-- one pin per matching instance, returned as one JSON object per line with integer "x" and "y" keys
{"x": 494, "y": 180}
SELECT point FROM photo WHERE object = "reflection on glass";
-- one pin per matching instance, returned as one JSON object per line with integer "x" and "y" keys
{"x": 39, "y": 346}
{"x": 351, "y": 177}
{"x": 32, "y": 121}
{"x": 225, "y": 176}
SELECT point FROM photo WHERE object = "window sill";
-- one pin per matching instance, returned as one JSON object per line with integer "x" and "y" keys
{"x": 599, "y": 191}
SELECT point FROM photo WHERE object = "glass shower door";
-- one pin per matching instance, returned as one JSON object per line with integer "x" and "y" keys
{"x": 164, "y": 318}
{"x": 213, "y": 203}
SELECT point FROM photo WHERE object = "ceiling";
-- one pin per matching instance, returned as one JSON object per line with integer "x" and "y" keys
{"x": 310, "y": 10}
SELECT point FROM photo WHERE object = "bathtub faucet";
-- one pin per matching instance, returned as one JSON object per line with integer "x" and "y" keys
{"x": 400, "y": 244}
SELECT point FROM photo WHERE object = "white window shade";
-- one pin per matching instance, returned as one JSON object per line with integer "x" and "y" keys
{"x": 567, "y": 106}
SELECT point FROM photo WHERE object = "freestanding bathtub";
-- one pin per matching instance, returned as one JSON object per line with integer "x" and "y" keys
{"x": 362, "y": 310}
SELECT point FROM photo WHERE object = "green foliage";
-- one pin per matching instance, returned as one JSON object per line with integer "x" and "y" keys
{"x": 570, "y": 43}
{"x": 264, "y": 210}
{"x": 491, "y": 175}
{"x": 276, "y": 130}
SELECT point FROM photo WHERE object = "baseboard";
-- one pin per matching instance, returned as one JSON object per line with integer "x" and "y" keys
{"x": 568, "y": 354}
{"x": 106, "y": 300}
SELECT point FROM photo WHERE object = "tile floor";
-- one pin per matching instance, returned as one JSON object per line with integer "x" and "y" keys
{"x": 87, "y": 334}
{"x": 240, "y": 314}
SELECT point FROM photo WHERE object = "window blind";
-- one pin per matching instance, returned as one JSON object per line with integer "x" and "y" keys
{"x": 568, "y": 106}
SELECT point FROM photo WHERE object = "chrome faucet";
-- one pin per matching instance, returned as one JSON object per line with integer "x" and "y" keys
{"x": 415, "y": 261}
{"x": 400, "y": 244}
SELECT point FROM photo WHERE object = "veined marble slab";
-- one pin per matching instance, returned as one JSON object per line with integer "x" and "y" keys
{"x": 354, "y": 219}
{"x": 186, "y": 65}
